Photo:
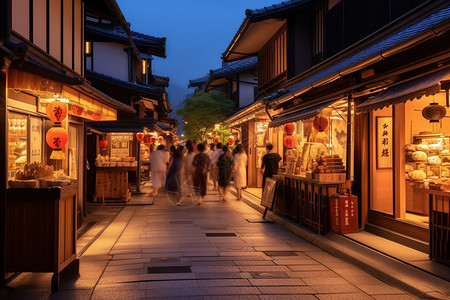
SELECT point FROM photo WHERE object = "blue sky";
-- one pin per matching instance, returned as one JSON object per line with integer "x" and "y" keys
{"x": 197, "y": 32}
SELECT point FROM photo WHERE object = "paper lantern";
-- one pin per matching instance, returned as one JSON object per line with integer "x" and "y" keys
{"x": 434, "y": 112}
{"x": 140, "y": 136}
{"x": 96, "y": 116}
{"x": 147, "y": 139}
{"x": 289, "y": 128}
{"x": 103, "y": 144}
{"x": 230, "y": 140}
{"x": 57, "y": 138}
{"x": 57, "y": 111}
{"x": 152, "y": 140}
{"x": 77, "y": 110}
{"x": 216, "y": 139}
{"x": 320, "y": 123}
{"x": 289, "y": 141}
{"x": 160, "y": 139}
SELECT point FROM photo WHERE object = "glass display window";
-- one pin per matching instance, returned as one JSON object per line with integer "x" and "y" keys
{"x": 17, "y": 142}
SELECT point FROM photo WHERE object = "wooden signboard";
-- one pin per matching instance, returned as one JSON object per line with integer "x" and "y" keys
{"x": 268, "y": 194}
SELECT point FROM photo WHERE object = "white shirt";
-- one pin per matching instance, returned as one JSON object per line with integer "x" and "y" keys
{"x": 215, "y": 156}
{"x": 158, "y": 160}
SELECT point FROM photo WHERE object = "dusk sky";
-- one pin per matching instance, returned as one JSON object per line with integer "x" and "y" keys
{"x": 197, "y": 32}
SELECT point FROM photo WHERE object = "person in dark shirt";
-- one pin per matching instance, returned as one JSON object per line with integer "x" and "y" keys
{"x": 270, "y": 163}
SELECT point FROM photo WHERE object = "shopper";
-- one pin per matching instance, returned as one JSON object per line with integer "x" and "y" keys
{"x": 187, "y": 163}
{"x": 158, "y": 166}
{"x": 214, "y": 175}
{"x": 240, "y": 169}
{"x": 173, "y": 180}
{"x": 225, "y": 164}
{"x": 201, "y": 165}
{"x": 270, "y": 163}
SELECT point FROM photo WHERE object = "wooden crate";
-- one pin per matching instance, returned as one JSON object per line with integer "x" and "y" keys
{"x": 112, "y": 185}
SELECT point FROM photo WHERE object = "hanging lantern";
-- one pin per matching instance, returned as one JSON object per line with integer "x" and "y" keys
{"x": 57, "y": 138}
{"x": 147, "y": 139}
{"x": 289, "y": 128}
{"x": 321, "y": 137}
{"x": 160, "y": 139}
{"x": 57, "y": 111}
{"x": 230, "y": 140}
{"x": 320, "y": 123}
{"x": 289, "y": 141}
{"x": 77, "y": 110}
{"x": 96, "y": 116}
{"x": 103, "y": 144}
{"x": 216, "y": 139}
{"x": 140, "y": 136}
{"x": 152, "y": 140}
{"x": 434, "y": 112}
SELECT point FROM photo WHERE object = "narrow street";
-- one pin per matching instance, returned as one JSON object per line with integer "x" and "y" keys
{"x": 217, "y": 250}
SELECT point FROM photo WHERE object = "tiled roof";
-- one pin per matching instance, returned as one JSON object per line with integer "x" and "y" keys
{"x": 236, "y": 67}
{"x": 198, "y": 81}
{"x": 159, "y": 80}
{"x": 112, "y": 32}
{"x": 146, "y": 89}
{"x": 379, "y": 48}
{"x": 275, "y": 10}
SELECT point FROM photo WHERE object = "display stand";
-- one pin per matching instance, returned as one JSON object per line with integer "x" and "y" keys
{"x": 41, "y": 231}
{"x": 112, "y": 184}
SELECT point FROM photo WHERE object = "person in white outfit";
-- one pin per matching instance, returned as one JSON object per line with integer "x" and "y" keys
{"x": 214, "y": 157}
{"x": 158, "y": 165}
{"x": 240, "y": 169}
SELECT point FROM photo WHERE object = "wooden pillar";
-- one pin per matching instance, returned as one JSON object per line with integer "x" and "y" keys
{"x": 3, "y": 168}
{"x": 399, "y": 161}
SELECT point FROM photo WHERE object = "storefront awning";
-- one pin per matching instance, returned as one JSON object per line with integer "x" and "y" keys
{"x": 125, "y": 125}
{"x": 300, "y": 114}
{"x": 426, "y": 85}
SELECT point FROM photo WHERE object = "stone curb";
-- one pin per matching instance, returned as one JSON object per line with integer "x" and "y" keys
{"x": 383, "y": 267}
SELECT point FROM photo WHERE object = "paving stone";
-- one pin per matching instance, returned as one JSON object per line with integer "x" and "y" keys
{"x": 209, "y": 269}
{"x": 393, "y": 297}
{"x": 354, "y": 296}
{"x": 287, "y": 297}
{"x": 253, "y": 263}
{"x": 263, "y": 268}
{"x": 238, "y": 297}
{"x": 218, "y": 275}
{"x": 223, "y": 282}
{"x": 232, "y": 291}
{"x": 379, "y": 289}
{"x": 315, "y": 267}
{"x": 335, "y": 288}
{"x": 283, "y": 290}
{"x": 169, "y": 284}
{"x": 325, "y": 281}
{"x": 125, "y": 267}
{"x": 174, "y": 292}
{"x": 276, "y": 282}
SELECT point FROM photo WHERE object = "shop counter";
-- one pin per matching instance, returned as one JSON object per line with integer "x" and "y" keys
{"x": 41, "y": 231}
{"x": 307, "y": 200}
{"x": 112, "y": 184}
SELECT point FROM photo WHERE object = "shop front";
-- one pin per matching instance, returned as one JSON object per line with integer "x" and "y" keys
{"x": 408, "y": 142}
{"x": 314, "y": 161}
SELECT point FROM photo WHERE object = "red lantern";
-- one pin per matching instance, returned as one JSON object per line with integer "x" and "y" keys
{"x": 103, "y": 144}
{"x": 57, "y": 138}
{"x": 57, "y": 111}
{"x": 289, "y": 128}
{"x": 77, "y": 110}
{"x": 320, "y": 123}
{"x": 152, "y": 140}
{"x": 289, "y": 141}
{"x": 160, "y": 139}
{"x": 96, "y": 116}
{"x": 230, "y": 140}
{"x": 140, "y": 136}
{"x": 216, "y": 139}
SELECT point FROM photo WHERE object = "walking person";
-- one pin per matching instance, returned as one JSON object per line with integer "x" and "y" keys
{"x": 201, "y": 165}
{"x": 187, "y": 164}
{"x": 225, "y": 164}
{"x": 214, "y": 174}
{"x": 240, "y": 169}
{"x": 158, "y": 166}
{"x": 270, "y": 163}
{"x": 173, "y": 179}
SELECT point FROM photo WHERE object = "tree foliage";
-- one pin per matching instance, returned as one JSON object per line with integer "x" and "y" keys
{"x": 201, "y": 112}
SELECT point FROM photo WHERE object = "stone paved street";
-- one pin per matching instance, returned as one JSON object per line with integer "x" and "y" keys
{"x": 217, "y": 250}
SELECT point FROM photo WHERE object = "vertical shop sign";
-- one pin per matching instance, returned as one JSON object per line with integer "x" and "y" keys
{"x": 384, "y": 142}
{"x": 35, "y": 139}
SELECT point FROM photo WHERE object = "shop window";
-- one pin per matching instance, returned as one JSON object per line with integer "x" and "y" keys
{"x": 381, "y": 167}
{"x": 17, "y": 143}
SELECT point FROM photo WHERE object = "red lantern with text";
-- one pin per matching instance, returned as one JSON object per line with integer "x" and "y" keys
{"x": 103, "y": 144}
{"x": 160, "y": 139}
{"x": 289, "y": 141}
{"x": 230, "y": 140}
{"x": 152, "y": 140}
{"x": 77, "y": 110}
{"x": 57, "y": 111}
{"x": 140, "y": 136}
{"x": 57, "y": 138}
{"x": 289, "y": 128}
{"x": 216, "y": 139}
{"x": 320, "y": 123}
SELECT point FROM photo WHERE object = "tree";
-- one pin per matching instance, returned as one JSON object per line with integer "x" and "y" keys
{"x": 201, "y": 112}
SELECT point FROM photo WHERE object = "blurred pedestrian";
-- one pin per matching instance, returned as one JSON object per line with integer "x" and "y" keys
{"x": 173, "y": 179}
{"x": 188, "y": 174}
{"x": 201, "y": 165}
{"x": 214, "y": 175}
{"x": 158, "y": 166}
{"x": 225, "y": 164}
{"x": 240, "y": 169}
{"x": 270, "y": 163}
